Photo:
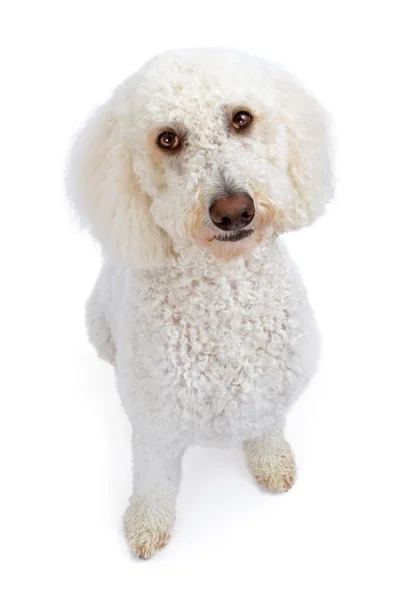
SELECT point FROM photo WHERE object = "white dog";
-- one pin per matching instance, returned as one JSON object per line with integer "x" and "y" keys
{"x": 186, "y": 177}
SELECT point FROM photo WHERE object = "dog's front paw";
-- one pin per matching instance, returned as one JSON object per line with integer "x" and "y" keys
{"x": 147, "y": 526}
{"x": 273, "y": 466}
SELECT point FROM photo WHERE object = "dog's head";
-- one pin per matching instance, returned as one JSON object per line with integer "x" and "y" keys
{"x": 208, "y": 146}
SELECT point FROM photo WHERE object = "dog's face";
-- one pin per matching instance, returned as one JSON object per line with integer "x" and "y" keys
{"x": 208, "y": 147}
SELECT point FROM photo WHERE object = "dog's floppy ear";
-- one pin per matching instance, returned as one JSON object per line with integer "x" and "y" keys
{"x": 309, "y": 166}
{"x": 106, "y": 194}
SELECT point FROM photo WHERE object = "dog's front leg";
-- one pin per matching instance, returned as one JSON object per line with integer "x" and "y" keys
{"x": 150, "y": 515}
{"x": 271, "y": 461}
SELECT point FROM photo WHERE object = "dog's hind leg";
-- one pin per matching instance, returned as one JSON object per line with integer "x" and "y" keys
{"x": 271, "y": 461}
{"x": 97, "y": 321}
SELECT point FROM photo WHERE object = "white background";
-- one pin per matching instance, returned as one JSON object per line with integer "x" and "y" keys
{"x": 65, "y": 459}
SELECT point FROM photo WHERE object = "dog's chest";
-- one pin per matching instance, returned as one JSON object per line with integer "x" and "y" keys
{"x": 211, "y": 318}
{"x": 220, "y": 331}
{"x": 212, "y": 347}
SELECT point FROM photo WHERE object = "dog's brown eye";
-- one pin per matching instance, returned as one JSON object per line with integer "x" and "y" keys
{"x": 241, "y": 120}
{"x": 168, "y": 140}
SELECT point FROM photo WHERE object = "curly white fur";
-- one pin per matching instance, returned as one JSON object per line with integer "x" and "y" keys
{"x": 211, "y": 341}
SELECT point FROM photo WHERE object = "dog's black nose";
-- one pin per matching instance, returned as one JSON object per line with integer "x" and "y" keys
{"x": 232, "y": 213}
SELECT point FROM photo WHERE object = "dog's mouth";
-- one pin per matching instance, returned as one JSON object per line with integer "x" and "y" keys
{"x": 235, "y": 237}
